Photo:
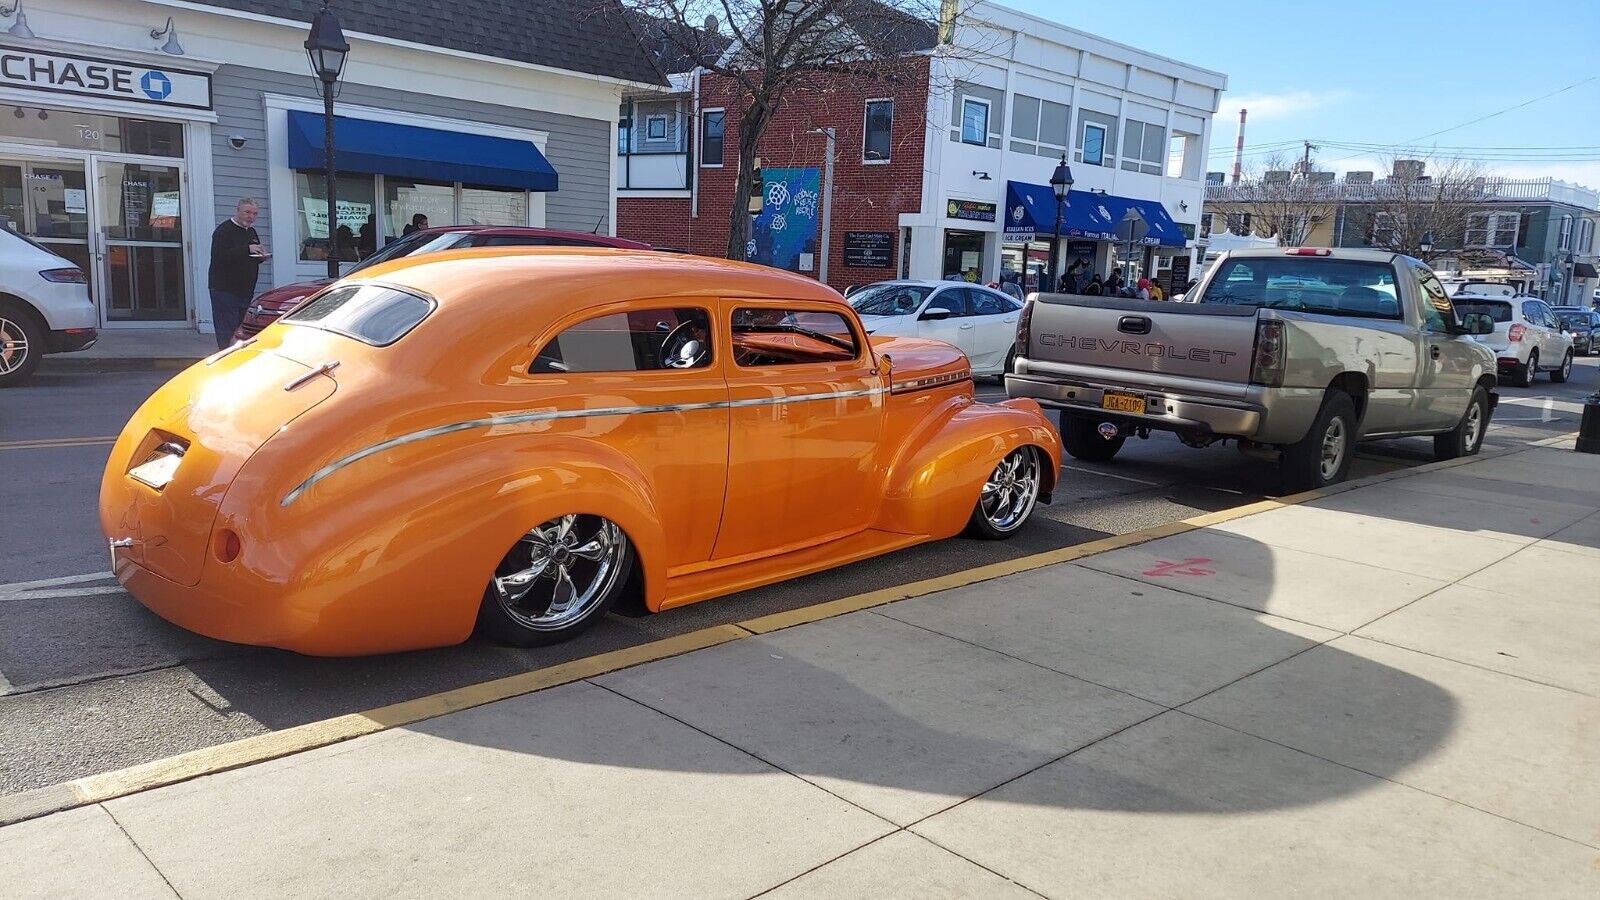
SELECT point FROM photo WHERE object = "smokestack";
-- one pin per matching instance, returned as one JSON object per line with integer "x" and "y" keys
{"x": 1238, "y": 147}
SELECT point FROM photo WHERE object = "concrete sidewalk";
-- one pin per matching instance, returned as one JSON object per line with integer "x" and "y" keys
{"x": 136, "y": 349}
{"x": 1390, "y": 691}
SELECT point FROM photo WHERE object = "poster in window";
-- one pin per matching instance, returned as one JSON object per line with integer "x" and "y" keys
{"x": 784, "y": 234}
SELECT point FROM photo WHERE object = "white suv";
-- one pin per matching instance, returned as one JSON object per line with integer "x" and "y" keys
{"x": 1527, "y": 337}
{"x": 44, "y": 307}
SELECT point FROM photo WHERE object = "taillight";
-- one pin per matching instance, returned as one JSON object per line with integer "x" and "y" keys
{"x": 1024, "y": 325}
{"x": 1516, "y": 334}
{"x": 1267, "y": 367}
{"x": 1308, "y": 251}
{"x": 73, "y": 275}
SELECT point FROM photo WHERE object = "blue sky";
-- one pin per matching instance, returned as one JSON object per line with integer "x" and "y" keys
{"x": 1382, "y": 72}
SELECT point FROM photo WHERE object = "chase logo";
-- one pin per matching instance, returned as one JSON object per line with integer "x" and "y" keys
{"x": 156, "y": 85}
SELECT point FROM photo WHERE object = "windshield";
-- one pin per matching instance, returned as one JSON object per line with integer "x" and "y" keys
{"x": 890, "y": 299}
{"x": 1494, "y": 309}
{"x": 419, "y": 242}
{"x": 1340, "y": 287}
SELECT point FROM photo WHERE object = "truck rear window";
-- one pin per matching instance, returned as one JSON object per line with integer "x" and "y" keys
{"x": 371, "y": 313}
{"x": 1339, "y": 287}
{"x": 1495, "y": 309}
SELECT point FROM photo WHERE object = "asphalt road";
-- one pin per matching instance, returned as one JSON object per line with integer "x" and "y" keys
{"x": 91, "y": 682}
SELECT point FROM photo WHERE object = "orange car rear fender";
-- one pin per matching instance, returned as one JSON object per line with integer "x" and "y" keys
{"x": 933, "y": 489}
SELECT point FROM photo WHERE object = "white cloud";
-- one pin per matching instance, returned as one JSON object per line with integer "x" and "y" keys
{"x": 1278, "y": 106}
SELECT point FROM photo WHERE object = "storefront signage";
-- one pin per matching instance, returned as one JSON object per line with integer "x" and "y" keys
{"x": 869, "y": 249}
{"x": 971, "y": 210}
{"x": 1019, "y": 225}
{"x": 1178, "y": 275}
{"x": 85, "y": 76}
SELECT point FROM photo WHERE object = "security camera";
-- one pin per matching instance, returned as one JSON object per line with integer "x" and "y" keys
{"x": 236, "y": 142}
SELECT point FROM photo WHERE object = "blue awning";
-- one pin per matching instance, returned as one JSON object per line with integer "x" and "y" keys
{"x": 409, "y": 151}
{"x": 1031, "y": 213}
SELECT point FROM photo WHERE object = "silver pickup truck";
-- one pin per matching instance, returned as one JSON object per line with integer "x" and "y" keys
{"x": 1295, "y": 353}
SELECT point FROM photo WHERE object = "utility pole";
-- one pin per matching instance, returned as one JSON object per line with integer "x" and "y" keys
{"x": 827, "y": 202}
{"x": 1305, "y": 161}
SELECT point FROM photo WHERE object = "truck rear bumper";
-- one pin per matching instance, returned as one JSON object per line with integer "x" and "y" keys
{"x": 1166, "y": 411}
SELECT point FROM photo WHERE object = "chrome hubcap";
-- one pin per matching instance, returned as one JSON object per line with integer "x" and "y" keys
{"x": 1566, "y": 366}
{"x": 1474, "y": 425}
{"x": 1333, "y": 447}
{"x": 13, "y": 346}
{"x": 559, "y": 572}
{"x": 1009, "y": 494}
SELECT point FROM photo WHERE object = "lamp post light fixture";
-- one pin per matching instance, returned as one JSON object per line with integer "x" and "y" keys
{"x": 171, "y": 47}
{"x": 1060, "y": 185}
{"x": 326, "y": 49}
{"x": 1426, "y": 246}
{"x": 18, "y": 28}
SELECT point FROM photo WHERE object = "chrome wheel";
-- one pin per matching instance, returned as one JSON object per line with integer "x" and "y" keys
{"x": 14, "y": 347}
{"x": 1566, "y": 366}
{"x": 1472, "y": 429}
{"x": 560, "y": 572}
{"x": 1012, "y": 489}
{"x": 1335, "y": 442}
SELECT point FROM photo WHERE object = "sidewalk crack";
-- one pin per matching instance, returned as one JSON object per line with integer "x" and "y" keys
{"x": 153, "y": 867}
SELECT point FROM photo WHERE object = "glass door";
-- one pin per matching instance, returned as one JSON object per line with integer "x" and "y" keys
{"x": 140, "y": 207}
{"x": 47, "y": 200}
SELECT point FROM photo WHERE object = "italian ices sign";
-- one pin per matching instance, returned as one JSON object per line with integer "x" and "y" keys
{"x": 784, "y": 235}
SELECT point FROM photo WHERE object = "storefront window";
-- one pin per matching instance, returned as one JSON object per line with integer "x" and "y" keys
{"x": 405, "y": 199}
{"x": 493, "y": 206}
{"x": 44, "y": 127}
{"x": 357, "y": 220}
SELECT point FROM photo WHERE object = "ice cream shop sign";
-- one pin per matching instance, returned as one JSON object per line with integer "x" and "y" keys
{"x": 85, "y": 76}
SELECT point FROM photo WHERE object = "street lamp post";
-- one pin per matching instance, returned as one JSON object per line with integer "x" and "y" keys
{"x": 827, "y": 201}
{"x": 1060, "y": 185}
{"x": 1426, "y": 246}
{"x": 326, "y": 48}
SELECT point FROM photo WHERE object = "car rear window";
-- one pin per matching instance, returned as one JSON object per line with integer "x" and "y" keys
{"x": 1574, "y": 319}
{"x": 1340, "y": 287}
{"x": 374, "y": 314}
{"x": 1495, "y": 309}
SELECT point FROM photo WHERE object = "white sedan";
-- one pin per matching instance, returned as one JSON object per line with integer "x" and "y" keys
{"x": 981, "y": 321}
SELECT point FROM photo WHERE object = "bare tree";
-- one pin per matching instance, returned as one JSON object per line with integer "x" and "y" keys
{"x": 1425, "y": 200}
{"x": 781, "y": 46}
{"x": 1282, "y": 199}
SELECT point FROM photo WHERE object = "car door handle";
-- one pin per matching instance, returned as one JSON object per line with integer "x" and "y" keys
{"x": 1433, "y": 352}
{"x": 966, "y": 326}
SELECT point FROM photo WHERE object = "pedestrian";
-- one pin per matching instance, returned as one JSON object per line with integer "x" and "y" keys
{"x": 1143, "y": 291}
{"x": 236, "y": 255}
{"x": 1114, "y": 283}
{"x": 1095, "y": 287}
{"x": 1156, "y": 293}
{"x": 1011, "y": 287}
{"x": 955, "y": 276}
{"x": 418, "y": 223}
{"x": 1072, "y": 282}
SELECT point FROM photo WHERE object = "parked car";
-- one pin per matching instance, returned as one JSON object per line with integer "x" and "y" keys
{"x": 44, "y": 307}
{"x": 270, "y": 304}
{"x": 979, "y": 320}
{"x": 1527, "y": 337}
{"x": 518, "y": 439}
{"x": 1583, "y": 325}
{"x": 1297, "y": 353}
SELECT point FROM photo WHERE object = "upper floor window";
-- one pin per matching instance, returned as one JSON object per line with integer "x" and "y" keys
{"x": 876, "y": 129}
{"x": 1094, "y": 144}
{"x": 711, "y": 122}
{"x": 975, "y": 121}
{"x": 1039, "y": 126}
{"x": 1566, "y": 233}
{"x": 1586, "y": 237}
{"x": 1143, "y": 147}
{"x": 773, "y": 337}
{"x": 638, "y": 341}
{"x": 1180, "y": 150}
{"x": 655, "y": 128}
{"x": 1385, "y": 229}
{"x": 1497, "y": 230}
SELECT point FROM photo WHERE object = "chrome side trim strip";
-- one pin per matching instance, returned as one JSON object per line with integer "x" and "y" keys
{"x": 518, "y": 418}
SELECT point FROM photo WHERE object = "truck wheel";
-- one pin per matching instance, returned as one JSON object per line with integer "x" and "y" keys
{"x": 1081, "y": 437}
{"x": 1559, "y": 376}
{"x": 1467, "y": 437}
{"x": 1323, "y": 455}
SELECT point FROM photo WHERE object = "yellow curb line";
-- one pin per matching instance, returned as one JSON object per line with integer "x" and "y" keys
{"x": 300, "y": 738}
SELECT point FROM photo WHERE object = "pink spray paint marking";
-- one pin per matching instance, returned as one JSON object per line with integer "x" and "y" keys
{"x": 1189, "y": 567}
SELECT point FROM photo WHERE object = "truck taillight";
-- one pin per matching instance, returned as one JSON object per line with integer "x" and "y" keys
{"x": 1516, "y": 332}
{"x": 1267, "y": 366}
{"x": 1024, "y": 325}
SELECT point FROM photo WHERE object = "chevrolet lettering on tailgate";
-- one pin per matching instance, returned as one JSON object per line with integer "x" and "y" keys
{"x": 1137, "y": 348}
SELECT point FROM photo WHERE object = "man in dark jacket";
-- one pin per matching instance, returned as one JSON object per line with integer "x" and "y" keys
{"x": 236, "y": 255}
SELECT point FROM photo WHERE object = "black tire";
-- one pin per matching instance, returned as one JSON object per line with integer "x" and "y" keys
{"x": 22, "y": 340}
{"x": 1526, "y": 374}
{"x": 997, "y": 521}
{"x": 1301, "y": 466}
{"x": 1011, "y": 361}
{"x": 1466, "y": 439}
{"x": 507, "y": 623}
{"x": 1080, "y": 435}
{"x": 1561, "y": 374}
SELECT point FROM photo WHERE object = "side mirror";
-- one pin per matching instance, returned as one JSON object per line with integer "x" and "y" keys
{"x": 936, "y": 313}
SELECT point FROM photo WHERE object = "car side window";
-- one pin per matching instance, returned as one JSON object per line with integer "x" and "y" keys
{"x": 986, "y": 304}
{"x": 1530, "y": 311}
{"x": 640, "y": 340}
{"x": 766, "y": 336}
{"x": 953, "y": 299}
{"x": 1437, "y": 310}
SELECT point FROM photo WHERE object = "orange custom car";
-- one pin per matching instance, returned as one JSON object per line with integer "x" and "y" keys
{"x": 514, "y": 440}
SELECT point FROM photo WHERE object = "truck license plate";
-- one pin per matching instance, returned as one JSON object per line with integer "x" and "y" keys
{"x": 1128, "y": 403}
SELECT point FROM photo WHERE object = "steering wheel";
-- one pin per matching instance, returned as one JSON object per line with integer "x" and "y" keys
{"x": 681, "y": 349}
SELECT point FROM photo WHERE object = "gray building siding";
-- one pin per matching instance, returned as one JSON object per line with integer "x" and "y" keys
{"x": 580, "y": 149}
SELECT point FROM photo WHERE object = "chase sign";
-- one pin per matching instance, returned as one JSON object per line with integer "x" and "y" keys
{"x": 85, "y": 76}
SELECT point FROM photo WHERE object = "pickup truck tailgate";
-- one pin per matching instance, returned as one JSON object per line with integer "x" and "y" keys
{"x": 1211, "y": 342}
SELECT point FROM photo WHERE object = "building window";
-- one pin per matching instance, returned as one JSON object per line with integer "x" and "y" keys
{"x": 1044, "y": 125}
{"x": 355, "y": 219}
{"x": 1180, "y": 147}
{"x": 974, "y": 121}
{"x": 1566, "y": 234}
{"x": 1385, "y": 229}
{"x": 655, "y": 128}
{"x": 624, "y": 129}
{"x": 879, "y": 123}
{"x": 1094, "y": 144}
{"x": 1586, "y": 237}
{"x": 1144, "y": 147}
{"x": 711, "y": 138}
{"x": 1497, "y": 230}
